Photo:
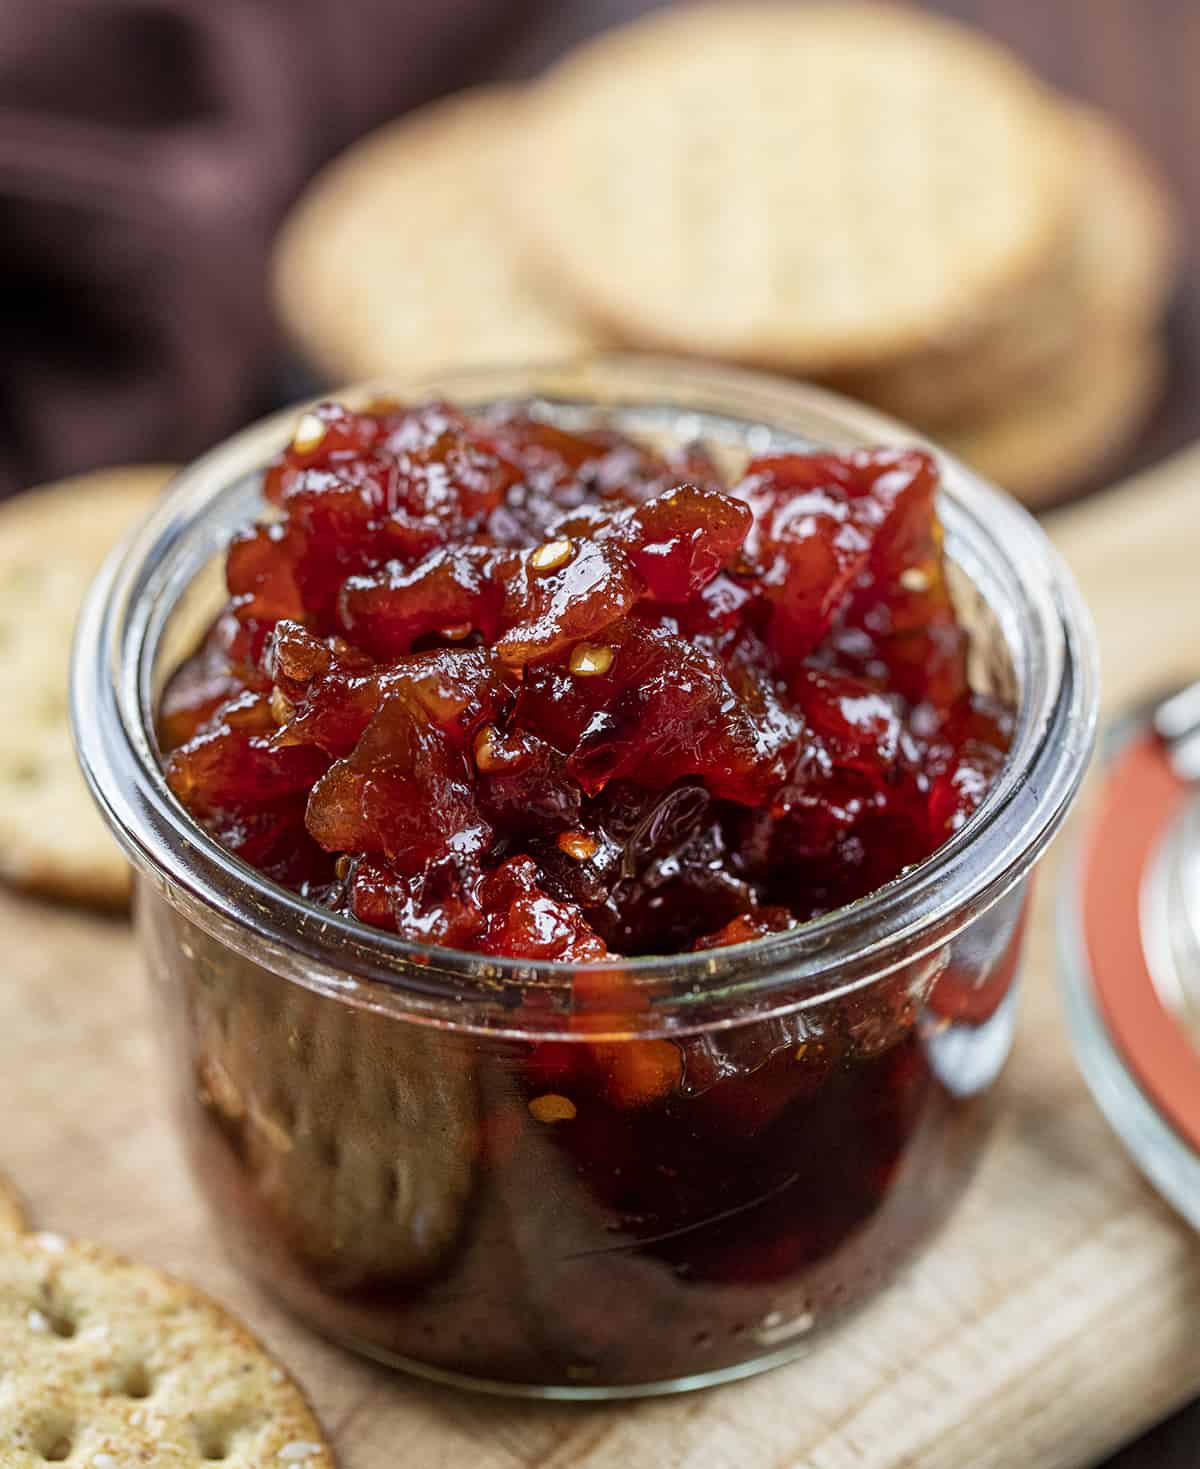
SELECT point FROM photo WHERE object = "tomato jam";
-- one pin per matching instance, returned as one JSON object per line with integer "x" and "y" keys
{"x": 497, "y": 686}
{"x": 543, "y": 693}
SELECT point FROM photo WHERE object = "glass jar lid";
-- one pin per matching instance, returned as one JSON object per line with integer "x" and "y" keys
{"x": 1130, "y": 942}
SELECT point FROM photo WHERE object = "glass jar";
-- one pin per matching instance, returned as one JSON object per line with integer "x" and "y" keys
{"x": 468, "y": 1167}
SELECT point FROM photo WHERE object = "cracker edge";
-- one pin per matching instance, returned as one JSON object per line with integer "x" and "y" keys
{"x": 40, "y": 873}
{"x": 1045, "y": 476}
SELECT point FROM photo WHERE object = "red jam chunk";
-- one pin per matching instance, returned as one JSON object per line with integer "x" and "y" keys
{"x": 546, "y": 694}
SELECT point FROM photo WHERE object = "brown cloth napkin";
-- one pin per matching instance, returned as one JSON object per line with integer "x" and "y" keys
{"x": 147, "y": 150}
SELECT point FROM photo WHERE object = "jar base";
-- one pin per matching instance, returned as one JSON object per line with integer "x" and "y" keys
{"x": 574, "y": 1392}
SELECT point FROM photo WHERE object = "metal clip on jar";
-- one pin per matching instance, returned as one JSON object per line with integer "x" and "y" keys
{"x": 365, "y": 1116}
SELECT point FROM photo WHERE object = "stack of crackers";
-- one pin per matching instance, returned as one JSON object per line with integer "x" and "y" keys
{"x": 853, "y": 193}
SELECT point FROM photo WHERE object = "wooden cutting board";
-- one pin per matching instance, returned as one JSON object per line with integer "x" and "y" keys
{"x": 1058, "y": 1315}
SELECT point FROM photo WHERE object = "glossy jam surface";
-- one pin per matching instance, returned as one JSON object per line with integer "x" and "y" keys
{"x": 552, "y": 695}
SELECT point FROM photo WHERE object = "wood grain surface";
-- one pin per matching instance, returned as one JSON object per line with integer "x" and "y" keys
{"x": 1054, "y": 1319}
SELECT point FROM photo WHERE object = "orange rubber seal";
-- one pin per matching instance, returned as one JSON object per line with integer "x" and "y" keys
{"x": 1141, "y": 798}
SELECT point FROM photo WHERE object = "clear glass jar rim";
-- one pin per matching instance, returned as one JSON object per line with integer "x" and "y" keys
{"x": 1047, "y": 628}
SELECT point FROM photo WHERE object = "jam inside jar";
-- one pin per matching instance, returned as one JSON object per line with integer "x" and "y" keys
{"x": 602, "y": 1175}
{"x": 630, "y": 1210}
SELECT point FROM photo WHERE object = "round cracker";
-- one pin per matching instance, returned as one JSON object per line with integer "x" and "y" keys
{"x": 52, "y": 541}
{"x": 12, "y": 1210}
{"x": 809, "y": 188}
{"x": 1041, "y": 444}
{"x": 1115, "y": 278}
{"x": 395, "y": 259}
{"x": 106, "y": 1363}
